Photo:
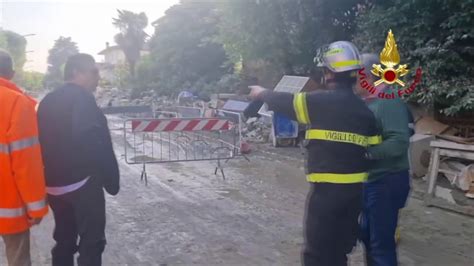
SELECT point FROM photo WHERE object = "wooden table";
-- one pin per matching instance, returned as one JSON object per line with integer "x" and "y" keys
{"x": 445, "y": 148}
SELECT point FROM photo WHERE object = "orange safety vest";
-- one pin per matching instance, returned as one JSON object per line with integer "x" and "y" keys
{"x": 22, "y": 183}
{"x": 10, "y": 85}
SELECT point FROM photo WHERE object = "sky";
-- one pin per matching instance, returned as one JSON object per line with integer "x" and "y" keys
{"x": 87, "y": 22}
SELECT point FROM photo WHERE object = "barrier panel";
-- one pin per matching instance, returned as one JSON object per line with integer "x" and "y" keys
{"x": 180, "y": 140}
{"x": 189, "y": 112}
{"x": 126, "y": 112}
{"x": 165, "y": 114}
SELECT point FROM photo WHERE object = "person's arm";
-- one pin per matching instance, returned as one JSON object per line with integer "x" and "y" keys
{"x": 94, "y": 142}
{"x": 26, "y": 161}
{"x": 280, "y": 102}
{"x": 111, "y": 172}
{"x": 292, "y": 106}
{"x": 393, "y": 118}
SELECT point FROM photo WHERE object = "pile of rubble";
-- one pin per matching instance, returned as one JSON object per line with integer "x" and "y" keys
{"x": 256, "y": 130}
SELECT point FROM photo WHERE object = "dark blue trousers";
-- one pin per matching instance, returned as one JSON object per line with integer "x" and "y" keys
{"x": 383, "y": 199}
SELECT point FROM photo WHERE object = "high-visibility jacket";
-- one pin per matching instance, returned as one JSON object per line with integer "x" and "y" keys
{"x": 22, "y": 184}
{"x": 340, "y": 128}
{"x": 11, "y": 86}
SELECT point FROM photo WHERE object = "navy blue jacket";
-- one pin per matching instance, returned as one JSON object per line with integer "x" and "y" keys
{"x": 75, "y": 139}
{"x": 336, "y": 110}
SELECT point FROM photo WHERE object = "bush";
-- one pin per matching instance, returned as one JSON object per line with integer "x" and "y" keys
{"x": 437, "y": 35}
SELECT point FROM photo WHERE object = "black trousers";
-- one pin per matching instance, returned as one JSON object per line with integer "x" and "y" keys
{"x": 331, "y": 223}
{"x": 79, "y": 214}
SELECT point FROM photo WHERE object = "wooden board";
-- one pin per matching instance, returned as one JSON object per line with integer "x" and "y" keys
{"x": 451, "y": 145}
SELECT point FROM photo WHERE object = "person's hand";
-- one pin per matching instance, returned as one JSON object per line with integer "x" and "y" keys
{"x": 256, "y": 91}
{"x": 34, "y": 221}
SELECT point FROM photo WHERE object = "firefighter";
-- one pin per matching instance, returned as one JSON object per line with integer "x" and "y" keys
{"x": 22, "y": 185}
{"x": 388, "y": 185}
{"x": 79, "y": 163}
{"x": 341, "y": 127}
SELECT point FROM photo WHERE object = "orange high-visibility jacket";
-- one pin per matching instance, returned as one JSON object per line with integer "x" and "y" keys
{"x": 10, "y": 85}
{"x": 22, "y": 184}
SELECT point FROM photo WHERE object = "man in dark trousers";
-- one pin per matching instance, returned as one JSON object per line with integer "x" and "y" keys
{"x": 341, "y": 127}
{"x": 388, "y": 185}
{"x": 79, "y": 162}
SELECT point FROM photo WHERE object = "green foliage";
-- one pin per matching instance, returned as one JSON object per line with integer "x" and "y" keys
{"x": 198, "y": 45}
{"x": 210, "y": 46}
{"x": 121, "y": 76}
{"x": 31, "y": 81}
{"x": 15, "y": 44}
{"x": 63, "y": 48}
{"x": 132, "y": 36}
{"x": 437, "y": 35}
{"x": 283, "y": 35}
{"x": 184, "y": 54}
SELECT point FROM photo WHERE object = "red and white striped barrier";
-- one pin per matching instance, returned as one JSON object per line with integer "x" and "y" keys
{"x": 180, "y": 125}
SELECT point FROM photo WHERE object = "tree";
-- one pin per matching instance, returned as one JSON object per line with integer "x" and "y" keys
{"x": 184, "y": 53}
{"x": 132, "y": 36}
{"x": 15, "y": 44}
{"x": 282, "y": 36}
{"x": 32, "y": 81}
{"x": 437, "y": 35}
{"x": 121, "y": 75}
{"x": 63, "y": 48}
{"x": 144, "y": 72}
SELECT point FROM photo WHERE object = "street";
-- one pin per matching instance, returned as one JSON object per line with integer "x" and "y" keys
{"x": 188, "y": 216}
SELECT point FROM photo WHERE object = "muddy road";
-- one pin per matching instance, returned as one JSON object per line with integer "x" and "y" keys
{"x": 188, "y": 216}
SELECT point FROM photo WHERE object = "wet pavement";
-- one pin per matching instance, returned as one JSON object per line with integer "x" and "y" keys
{"x": 189, "y": 216}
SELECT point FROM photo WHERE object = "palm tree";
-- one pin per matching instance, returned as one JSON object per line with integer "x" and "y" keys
{"x": 132, "y": 36}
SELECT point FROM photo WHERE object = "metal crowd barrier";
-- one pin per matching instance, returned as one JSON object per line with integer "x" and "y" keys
{"x": 126, "y": 112}
{"x": 165, "y": 114}
{"x": 149, "y": 141}
{"x": 237, "y": 119}
{"x": 189, "y": 112}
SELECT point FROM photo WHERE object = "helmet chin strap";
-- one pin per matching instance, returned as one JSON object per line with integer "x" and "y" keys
{"x": 323, "y": 80}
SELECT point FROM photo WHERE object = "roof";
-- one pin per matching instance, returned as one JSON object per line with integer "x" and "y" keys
{"x": 108, "y": 49}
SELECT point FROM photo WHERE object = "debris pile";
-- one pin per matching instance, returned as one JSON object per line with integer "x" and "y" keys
{"x": 255, "y": 130}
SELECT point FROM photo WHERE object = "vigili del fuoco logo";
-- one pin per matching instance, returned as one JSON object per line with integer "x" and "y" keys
{"x": 389, "y": 73}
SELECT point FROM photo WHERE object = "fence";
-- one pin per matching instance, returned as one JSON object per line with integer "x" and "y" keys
{"x": 189, "y": 112}
{"x": 180, "y": 140}
{"x": 125, "y": 112}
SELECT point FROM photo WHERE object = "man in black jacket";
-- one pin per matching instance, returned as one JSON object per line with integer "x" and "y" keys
{"x": 79, "y": 162}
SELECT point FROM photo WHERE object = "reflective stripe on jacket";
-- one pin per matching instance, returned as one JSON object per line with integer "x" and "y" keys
{"x": 22, "y": 184}
{"x": 341, "y": 127}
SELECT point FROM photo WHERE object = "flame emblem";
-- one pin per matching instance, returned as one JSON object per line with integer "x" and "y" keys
{"x": 390, "y": 58}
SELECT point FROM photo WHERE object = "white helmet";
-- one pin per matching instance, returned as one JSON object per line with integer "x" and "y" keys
{"x": 340, "y": 56}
